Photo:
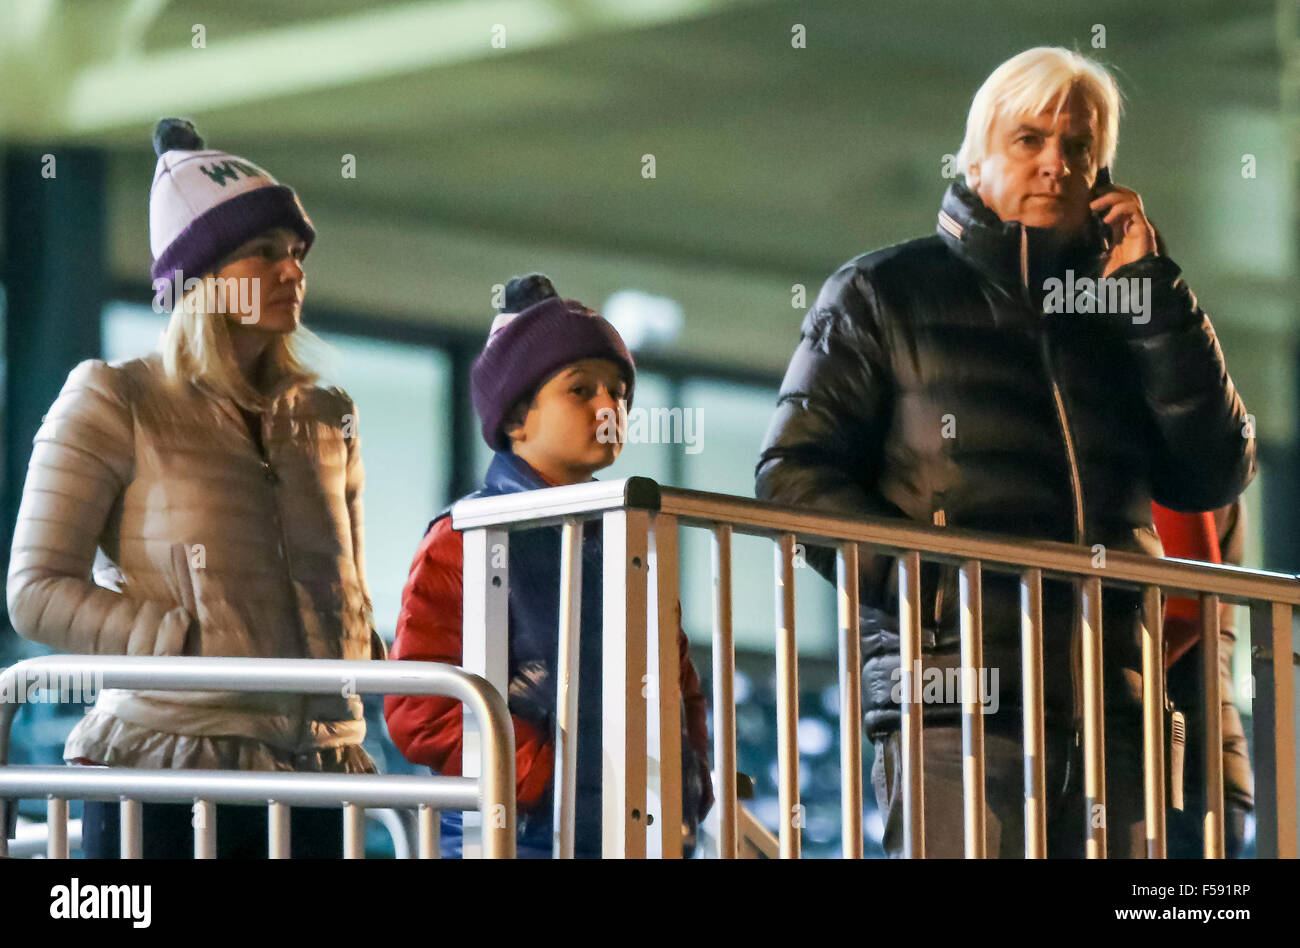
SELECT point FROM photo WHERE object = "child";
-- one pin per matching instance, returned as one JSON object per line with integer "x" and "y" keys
{"x": 548, "y": 369}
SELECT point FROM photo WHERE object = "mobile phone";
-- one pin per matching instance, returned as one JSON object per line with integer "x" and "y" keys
{"x": 1100, "y": 187}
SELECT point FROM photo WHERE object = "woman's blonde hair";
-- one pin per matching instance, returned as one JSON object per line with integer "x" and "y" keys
{"x": 1028, "y": 84}
{"x": 196, "y": 346}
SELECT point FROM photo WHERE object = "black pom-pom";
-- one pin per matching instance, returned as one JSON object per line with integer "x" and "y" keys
{"x": 175, "y": 133}
{"x": 522, "y": 292}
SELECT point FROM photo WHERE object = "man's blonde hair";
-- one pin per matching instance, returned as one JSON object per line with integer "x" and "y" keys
{"x": 196, "y": 346}
{"x": 1028, "y": 84}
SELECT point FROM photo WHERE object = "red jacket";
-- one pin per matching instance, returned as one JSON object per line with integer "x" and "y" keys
{"x": 427, "y": 729}
{"x": 1185, "y": 536}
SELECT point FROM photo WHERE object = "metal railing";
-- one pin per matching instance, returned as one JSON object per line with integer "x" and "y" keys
{"x": 488, "y": 784}
{"x": 640, "y": 577}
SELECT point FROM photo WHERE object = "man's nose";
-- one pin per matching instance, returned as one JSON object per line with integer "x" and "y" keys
{"x": 1052, "y": 160}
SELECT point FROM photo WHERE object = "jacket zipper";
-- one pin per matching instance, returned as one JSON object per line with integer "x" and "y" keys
{"x": 1076, "y": 484}
{"x": 273, "y": 481}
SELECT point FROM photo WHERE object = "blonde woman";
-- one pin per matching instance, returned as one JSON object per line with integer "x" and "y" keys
{"x": 222, "y": 488}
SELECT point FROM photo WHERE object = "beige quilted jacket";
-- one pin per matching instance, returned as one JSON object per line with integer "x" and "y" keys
{"x": 205, "y": 548}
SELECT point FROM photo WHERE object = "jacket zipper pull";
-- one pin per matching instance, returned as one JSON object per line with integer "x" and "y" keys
{"x": 940, "y": 520}
{"x": 269, "y": 472}
{"x": 1177, "y": 746}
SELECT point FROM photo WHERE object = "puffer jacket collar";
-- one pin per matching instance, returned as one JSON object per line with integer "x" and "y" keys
{"x": 1015, "y": 257}
{"x": 508, "y": 474}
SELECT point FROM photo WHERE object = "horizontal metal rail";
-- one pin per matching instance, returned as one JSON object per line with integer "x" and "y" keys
{"x": 233, "y": 786}
{"x": 1233, "y": 584}
{"x": 492, "y": 793}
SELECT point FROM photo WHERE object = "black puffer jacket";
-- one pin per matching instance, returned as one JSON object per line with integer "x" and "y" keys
{"x": 928, "y": 384}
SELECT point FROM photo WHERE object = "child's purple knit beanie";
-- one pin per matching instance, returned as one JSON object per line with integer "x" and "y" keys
{"x": 535, "y": 335}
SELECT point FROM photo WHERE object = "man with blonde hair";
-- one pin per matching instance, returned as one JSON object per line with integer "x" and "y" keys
{"x": 1036, "y": 368}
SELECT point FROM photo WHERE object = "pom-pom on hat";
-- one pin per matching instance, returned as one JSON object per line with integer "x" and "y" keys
{"x": 536, "y": 334}
{"x": 204, "y": 203}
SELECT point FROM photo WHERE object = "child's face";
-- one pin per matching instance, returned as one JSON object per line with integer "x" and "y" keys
{"x": 573, "y": 427}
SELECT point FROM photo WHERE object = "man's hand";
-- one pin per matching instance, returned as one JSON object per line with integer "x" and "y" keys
{"x": 1133, "y": 237}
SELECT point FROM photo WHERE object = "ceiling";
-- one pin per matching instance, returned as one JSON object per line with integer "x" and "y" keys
{"x": 773, "y": 164}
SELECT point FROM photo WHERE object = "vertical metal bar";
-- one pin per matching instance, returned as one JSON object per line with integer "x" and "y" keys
{"x": 623, "y": 776}
{"x": 205, "y": 829}
{"x": 485, "y": 649}
{"x": 1094, "y": 722}
{"x": 132, "y": 830}
{"x": 1031, "y": 683}
{"x": 970, "y": 585}
{"x": 724, "y": 698}
{"x": 1274, "y": 723}
{"x": 787, "y": 701}
{"x": 278, "y": 843}
{"x": 56, "y": 823}
{"x": 428, "y": 831}
{"x": 1212, "y": 749}
{"x": 909, "y": 627}
{"x": 850, "y": 660}
{"x": 566, "y": 718}
{"x": 664, "y": 723}
{"x": 354, "y": 832}
{"x": 1153, "y": 722}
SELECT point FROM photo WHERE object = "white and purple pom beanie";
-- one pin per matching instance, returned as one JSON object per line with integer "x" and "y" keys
{"x": 204, "y": 203}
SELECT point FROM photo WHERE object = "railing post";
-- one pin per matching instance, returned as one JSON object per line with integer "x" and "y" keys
{"x": 787, "y": 701}
{"x": 204, "y": 820}
{"x": 664, "y": 694}
{"x": 566, "y": 703}
{"x": 1094, "y": 723}
{"x": 909, "y": 628}
{"x": 970, "y": 588}
{"x": 56, "y": 823}
{"x": 427, "y": 831}
{"x": 1272, "y": 666}
{"x": 850, "y": 680}
{"x": 277, "y": 827}
{"x": 354, "y": 831}
{"x": 724, "y": 698}
{"x": 485, "y": 641}
{"x": 131, "y": 829}
{"x": 1153, "y": 722}
{"x": 1212, "y": 746}
{"x": 1031, "y": 684}
{"x": 623, "y": 776}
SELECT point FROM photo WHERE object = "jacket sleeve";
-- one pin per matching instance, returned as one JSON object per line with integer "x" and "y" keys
{"x": 428, "y": 729}
{"x": 824, "y": 446}
{"x": 1204, "y": 455}
{"x": 83, "y": 458}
